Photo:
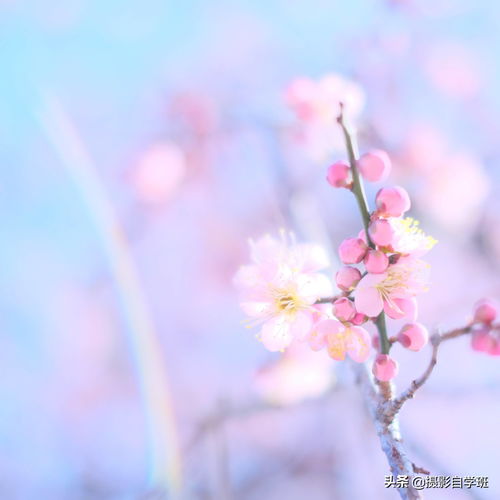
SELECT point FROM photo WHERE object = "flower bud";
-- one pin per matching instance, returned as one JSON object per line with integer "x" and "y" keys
{"x": 413, "y": 336}
{"x": 494, "y": 349}
{"x": 376, "y": 262}
{"x": 343, "y": 309}
{"x": 339, "y": 174}
{"x": 485, "y": 311}
{"x": 375, "y": 165}
{"x": 392, "y": 202}
{"x": 347, "y": 278}
{"x": 359, "y": 319}
{"x": 352, "y": 250}
{"x": 376, "y": 342}
{"x": 381, "y": 232}
{"x": 385, "y": 368}
{"x": 481, "y": 340}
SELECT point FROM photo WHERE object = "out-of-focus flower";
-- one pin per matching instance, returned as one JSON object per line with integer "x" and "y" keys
{"x": 339, "y": 174}
{"x": 485, "y": 311}
{"x": 375, "y": 165}
{"x": 486, "y": 339}
{"x": 342, "y": 339}
{"x": 298, "y": 375}
{"x": 159, "y": 173}
{"x": 280, "y": 287}
{"x": 455, "y": 70}
{"x": 316, "y": 105}
{"x": 402, "y": 280}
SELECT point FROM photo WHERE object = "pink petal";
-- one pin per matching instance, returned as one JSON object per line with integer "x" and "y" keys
{"x": 256, "y": 309}
{"x": 301, "y": 326}
{"x": 275, "y": 334}
{"x": 311, "y": 258}
{"x": 358, "y": 342}
{"x": 368, "y": 301}
{"x": 311, "y": 287}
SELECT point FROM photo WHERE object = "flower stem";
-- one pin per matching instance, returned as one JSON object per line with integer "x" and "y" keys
{"x": 359, "y": 193}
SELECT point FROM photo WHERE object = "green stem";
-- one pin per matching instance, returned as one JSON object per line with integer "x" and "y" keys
{"x": 359, "y": 193}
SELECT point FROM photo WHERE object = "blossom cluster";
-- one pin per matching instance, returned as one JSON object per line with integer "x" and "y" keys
{"x": 382, "y": 274}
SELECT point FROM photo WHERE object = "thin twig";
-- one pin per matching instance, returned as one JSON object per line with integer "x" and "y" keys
{"x": 436, "y": 341}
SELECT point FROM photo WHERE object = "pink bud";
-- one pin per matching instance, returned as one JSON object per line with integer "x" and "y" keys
{"x": 481, "y": 340}
{"x": 381, "y": 232}
{"x": 376, "y": 262}
{"x": 494, "y": 349}
{"x": 402, "y": 308}
{"x": 343, "y": 309}
{"x": 413, "y": 336}
{"x": 485, "y": 311}
{"x": 392, "y": 202}
{"x": 347, "y": 278}
{"x": 385, "y": 368}
{"x": 376, "y": 342}
{"x": 362, "y": 236}
{"x": 339, "y": 174}
{"x": 352, "y": 250}
{"x": 359, "y": 319}
{"x": 375, "y": 165}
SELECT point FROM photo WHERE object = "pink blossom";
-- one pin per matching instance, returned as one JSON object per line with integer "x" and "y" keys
{"x": 352, "y": 250}
{"x": 381, "y": 232}
{"x": 347, "y": 278}
{"x": 339, "y": 174}
{"x": 343, "y": 309}
{"x": 341, "y": 339}
{"x": 385, "y": 368}
{"x": 485, "y": 311}
{"x": 392, "y": 202}
{"x": 376, "y": 261}
{"x": 402, "y": 280}
{"x": 159, "y": 172}
{"x": 481, "y": 340}
{"x": 402, "y": 308}
{"x": 279, "y": 289}
{"x": 375, "y": 165}
{"x": 316, "y": 105}
{"x": 413, "y": 336}
{"x": 408, "y": 238}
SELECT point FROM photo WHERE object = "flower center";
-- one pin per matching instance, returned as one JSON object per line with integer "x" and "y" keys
{"x": 287, "y": 301}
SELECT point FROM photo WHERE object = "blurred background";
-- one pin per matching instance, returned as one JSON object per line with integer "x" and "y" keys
{"x": 142, "y": 144}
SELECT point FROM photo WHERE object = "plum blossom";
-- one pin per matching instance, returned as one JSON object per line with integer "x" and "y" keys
{"x": 408, "y": 238}
{"x": 280, "y": 287}
{"x": 402, "y": 280}
{"x": 343, "y": 338}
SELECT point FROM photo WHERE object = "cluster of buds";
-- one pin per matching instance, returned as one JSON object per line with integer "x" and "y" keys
{"x": 381, "y": 275}
{"x": 382, "y": 271}
{"x": 485, "y": 335}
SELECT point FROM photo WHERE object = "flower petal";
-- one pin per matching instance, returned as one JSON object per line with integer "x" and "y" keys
{"x": 358, "y": 343}
{"x": 300, "y": 327}
{"x": 275, "y": 334}
{"x": 256, "y": 309}
{"x": 368, "y": 301}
